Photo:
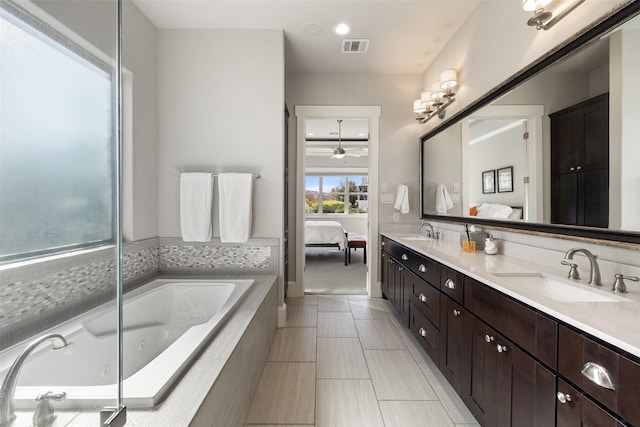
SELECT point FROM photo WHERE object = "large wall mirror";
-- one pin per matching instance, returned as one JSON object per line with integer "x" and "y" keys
{"x": 554, "y": 149}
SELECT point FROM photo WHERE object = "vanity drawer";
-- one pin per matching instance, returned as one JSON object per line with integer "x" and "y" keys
{"x": 532, "y": 331}
{"x": 451, "y": 283}
{"x": 397, "y": 251}
{"x": 425, "y": 268}
{"x": 576, "y": 351}
{"x": 427, "y": 334}
{"x": 424, "y": 297}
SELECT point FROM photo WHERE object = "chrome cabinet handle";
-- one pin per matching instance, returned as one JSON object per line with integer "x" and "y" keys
{"x": 456, "y": 312}
{"x": 598, "y": 375}
{"x": 422, "y": 268}
{"x": 579, "y": 168}
{"x": 563, "y": 398}
{"x": 501, "y": 348}
{"x": 382, "y": 244}
{"x": 392, "y": 261}
{"x": 405, "y": 257}
{"x": 400, "y": 268}
{"x": 572, "y": 168}
{"x": 450, "y": 284}
{"x": 422, "y": 297}
{"x": 422, "y": 332}
{"x": 488, "y": 338}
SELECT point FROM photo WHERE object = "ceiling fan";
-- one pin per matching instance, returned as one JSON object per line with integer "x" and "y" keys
{"x": 339, "y": 152}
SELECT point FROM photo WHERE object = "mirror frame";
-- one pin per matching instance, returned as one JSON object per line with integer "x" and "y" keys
{"x": 582, "y": 39}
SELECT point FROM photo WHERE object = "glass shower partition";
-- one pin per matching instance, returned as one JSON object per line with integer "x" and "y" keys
{"x": 60, "y": 220}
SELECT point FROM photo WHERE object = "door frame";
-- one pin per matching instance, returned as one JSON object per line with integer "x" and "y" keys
{"x": 372, "y": 113}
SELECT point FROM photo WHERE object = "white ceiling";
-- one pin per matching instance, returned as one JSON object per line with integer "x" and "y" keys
{"x": 406, "y": 35}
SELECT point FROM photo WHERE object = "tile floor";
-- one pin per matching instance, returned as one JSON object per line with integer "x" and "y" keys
{"x": 347, "y": 361}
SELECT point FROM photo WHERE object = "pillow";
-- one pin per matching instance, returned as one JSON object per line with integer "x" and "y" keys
{"x": 473, "y": 211}
{"x": 516, "y": 214}
{"x": 494, "y": 210}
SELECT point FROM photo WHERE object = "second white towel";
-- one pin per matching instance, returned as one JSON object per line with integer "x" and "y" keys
{"x": 443, "y": 201}
{"x": 235, "y": 199}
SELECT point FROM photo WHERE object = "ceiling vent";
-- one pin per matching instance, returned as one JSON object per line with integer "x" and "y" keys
{"x": 355, "y": 45}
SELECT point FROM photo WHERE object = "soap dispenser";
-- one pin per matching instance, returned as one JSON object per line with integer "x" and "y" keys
{"x": 490, "y": 247}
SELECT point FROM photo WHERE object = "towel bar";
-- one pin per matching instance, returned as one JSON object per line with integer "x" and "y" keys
{"x": 215, "y": 175}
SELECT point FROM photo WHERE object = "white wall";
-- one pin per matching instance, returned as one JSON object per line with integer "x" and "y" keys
{"x": 221, "y": 109}
{"x": 399, "y": 149}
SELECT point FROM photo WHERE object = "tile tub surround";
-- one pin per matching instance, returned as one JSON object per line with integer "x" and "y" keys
{"x": 218, "y": 387}
{"x": 37, "y": 295}
{"x": 612, "y": 322}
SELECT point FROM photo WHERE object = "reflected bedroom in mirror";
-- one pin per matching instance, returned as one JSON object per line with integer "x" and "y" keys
{"x": 560, "y": 149}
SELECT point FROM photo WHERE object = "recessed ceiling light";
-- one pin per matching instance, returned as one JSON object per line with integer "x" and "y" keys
{"x": 342, "y": 29}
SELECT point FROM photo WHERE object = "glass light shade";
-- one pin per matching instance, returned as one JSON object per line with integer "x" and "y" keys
{"x": 533, "y": 5}
{"x": 418, "y": 106}
{"x": 425, "y": 98}
{"x": 436, "y": 90}
{"x": 448, "y": 78}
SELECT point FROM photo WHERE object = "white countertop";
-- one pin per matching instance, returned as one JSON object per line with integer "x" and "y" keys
{"x": 617, "y": 322}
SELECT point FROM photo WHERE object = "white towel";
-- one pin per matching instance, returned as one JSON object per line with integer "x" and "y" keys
{"x": 235, "y": 194}
{"x": 402, "y": 199}
{"x": 196, "y": 195}
{"x": 443, "y": 201}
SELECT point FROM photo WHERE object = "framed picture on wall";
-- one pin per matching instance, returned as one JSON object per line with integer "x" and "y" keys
{"x": 505, "y": 179}
{"x": 488, "y": 182}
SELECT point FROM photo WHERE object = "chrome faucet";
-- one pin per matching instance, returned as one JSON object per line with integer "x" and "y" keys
{"x": 594, "y": 277}
{"x": 8, "y": 389}
{"x": 429, "y": 232}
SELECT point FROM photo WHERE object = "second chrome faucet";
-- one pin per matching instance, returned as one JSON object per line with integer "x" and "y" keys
{"x": 594, "y": 276}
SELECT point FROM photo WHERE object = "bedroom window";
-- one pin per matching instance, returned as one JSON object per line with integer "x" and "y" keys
{"x": 336, "y": 194}
{"x": 57, "y": 141}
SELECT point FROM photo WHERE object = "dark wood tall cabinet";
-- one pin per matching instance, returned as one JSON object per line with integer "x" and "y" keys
{"x": 580, "y": 164}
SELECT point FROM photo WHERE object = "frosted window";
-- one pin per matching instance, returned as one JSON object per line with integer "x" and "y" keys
{"x": 56, "y": 144}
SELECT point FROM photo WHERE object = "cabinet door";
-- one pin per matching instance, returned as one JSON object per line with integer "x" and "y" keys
{"x": 526, "y": 389}
{"x": 564, "y": 198}
{"x": 481, "y": 394}
{"x": 595, "y": 134}
{"x": 593, "y": 198}
{"x": 577, "y": 410}
{"x": 454, "y": 345}
{"x": 564, "y": 154}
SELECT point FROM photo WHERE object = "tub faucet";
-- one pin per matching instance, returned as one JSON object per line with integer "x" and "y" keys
{"x": 8, "y": 389}
{"x": 594, "y": 277}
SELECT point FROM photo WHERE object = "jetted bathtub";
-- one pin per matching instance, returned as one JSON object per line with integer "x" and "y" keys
{"x": 165, "y": 324}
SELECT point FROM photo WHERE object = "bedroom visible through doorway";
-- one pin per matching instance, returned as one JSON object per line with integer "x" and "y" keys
{"x": 336, "y": 203}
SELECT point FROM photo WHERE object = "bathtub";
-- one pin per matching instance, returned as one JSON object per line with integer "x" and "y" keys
{"x": 165, "y": 324}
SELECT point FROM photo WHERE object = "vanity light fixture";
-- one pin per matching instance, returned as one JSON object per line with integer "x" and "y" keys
{"x": 542, "y": 18}
{"x": 434, "y": 102}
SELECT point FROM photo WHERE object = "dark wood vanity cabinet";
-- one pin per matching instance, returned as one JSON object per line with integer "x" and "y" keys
{"x": 512, "y": 365}
{"x": 580, "y": 164}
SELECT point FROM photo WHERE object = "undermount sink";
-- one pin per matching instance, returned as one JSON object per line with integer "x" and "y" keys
{"x": 561, "y": 290}
{"x": 414, "y": 237}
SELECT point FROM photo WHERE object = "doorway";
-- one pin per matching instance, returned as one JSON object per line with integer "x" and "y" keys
{"x": 336, "y": 205}
{"x": 360, "y": 191}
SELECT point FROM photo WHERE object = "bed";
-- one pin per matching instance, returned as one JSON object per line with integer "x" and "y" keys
{"x": 324, "y": 234}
